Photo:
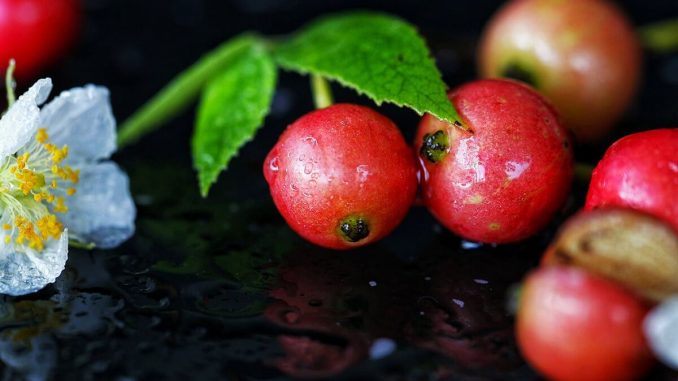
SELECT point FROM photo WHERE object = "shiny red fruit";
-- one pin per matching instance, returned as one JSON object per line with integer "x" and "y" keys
{"x": 36, "y": 32}
{"x": 574, "y": 326}
{"x": 583, "y": 55}
{"x": 639, "y": 171}
{"x": 503, "y": 180}
{"x": 342, "y": 176}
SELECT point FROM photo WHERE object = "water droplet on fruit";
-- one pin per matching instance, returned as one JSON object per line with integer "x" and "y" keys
{"x": 468, "y": 158}
{"x": 514, "y": 169}
{"x": 302, "y": 157}
{"x": 310, "y": 140}
{"x": 362, "y": 173}
{"x": 294, "y": 190}
{"x": 273, "y": 164}
{"x": 308, "y": 168}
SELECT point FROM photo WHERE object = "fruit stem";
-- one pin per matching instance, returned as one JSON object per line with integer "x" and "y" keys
{"x": 183, "y": 89}
{"x": 322, "y": 93}
{"x": 582, "y": 172}
{"x": 660, "y": 37}
{"x": 9, "y": 83}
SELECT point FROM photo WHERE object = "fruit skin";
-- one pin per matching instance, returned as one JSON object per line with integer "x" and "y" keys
{"x": 339, "y": 162}
{"x": 506, "y": 179}
{"x": 572, "y": 325}
{"x": 582, "y": 55}
{"x": 639, "y": 171}
{"x": 36, "y": 33}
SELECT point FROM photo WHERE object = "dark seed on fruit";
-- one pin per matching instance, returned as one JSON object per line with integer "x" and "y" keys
{"x": 520, "y": 73}
{"x": 354, "y": 229}
{"x": 435, "y": 146}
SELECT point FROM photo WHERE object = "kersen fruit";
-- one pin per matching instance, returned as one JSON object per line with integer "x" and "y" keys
{"x": 581, "y": 54}
{"x": 36, "y": 32}
{"x": 342, "y": 176}
{"x": 506, "y": 176}
{"x": 639, "y": 171}
{"x": 572, "y": 325}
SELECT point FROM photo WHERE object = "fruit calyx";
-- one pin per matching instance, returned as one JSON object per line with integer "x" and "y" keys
{"x": 435, "y": 146}
{"x": 517, "y": 71}
{"x": 354, "y": 229}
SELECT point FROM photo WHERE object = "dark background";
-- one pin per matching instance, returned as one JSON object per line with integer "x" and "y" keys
{"x": 221, "y": 288}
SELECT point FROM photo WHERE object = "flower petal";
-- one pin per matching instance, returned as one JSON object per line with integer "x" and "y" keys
{"x": 102, "y": 210}
{"x": 25, "y": 272}
{"x": 22, "y": 120}
{"x": 661, "y": 331}
{"x": 82, "y": 118}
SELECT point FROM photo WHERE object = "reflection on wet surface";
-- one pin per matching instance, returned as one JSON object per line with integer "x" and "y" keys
{"x": 213, "y": 289}
{"x": 217, "y": 289}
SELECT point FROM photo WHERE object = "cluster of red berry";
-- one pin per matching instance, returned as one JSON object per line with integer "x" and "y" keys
{"x": 344, "y": 176}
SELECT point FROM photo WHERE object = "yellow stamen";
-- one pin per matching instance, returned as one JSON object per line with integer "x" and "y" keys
{"x": 6, "y": 226}
{"x": 71, "y": 191}
{"x": 42, "y": 136}
{"x": 60, "y": 206}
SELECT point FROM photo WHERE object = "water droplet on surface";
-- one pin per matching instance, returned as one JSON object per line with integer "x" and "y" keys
{"x": 470, "y": 245}
{"x": 381, "y": 348}
{"x": 372, "y": 283}
{"x": 308, "y": 168}
{"x": 481, "y": 281}
{"x": 458, "y": 302}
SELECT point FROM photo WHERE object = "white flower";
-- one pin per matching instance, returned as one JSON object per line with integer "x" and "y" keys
{"x": 55, "y": 181}
{"x": 661, "y": 331}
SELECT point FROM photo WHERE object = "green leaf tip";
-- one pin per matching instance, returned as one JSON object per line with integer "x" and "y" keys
{"x": 376, "y": 54}
{"x": 232, "y": 108}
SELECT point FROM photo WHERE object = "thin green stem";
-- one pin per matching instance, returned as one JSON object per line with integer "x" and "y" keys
{"x": 660, "y": 37}
{"x": 322, "y": 93}
{"x": 182, "y": 90}
{"x": 9, "y": 83}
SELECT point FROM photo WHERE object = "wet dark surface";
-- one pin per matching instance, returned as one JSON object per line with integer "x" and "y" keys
{"x": 220, "y": 288}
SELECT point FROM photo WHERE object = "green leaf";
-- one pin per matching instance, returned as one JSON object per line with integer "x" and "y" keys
{"x": 183, "y": 89}
{"x": 378, "y": 55}
{"x": 232, "y": 108}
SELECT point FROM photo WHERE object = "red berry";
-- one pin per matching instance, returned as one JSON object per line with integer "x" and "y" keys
{"x": 503, "y": 180}
{"x": 583, "y": 55}
{"x": 572, "y": 325}
{"x": 36, "y": 32}
{"x": 639, "y": 171}
{"x": 342, "y": 176}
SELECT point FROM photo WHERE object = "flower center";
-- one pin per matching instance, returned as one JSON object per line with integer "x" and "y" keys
{"x": 34, "y": 184}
